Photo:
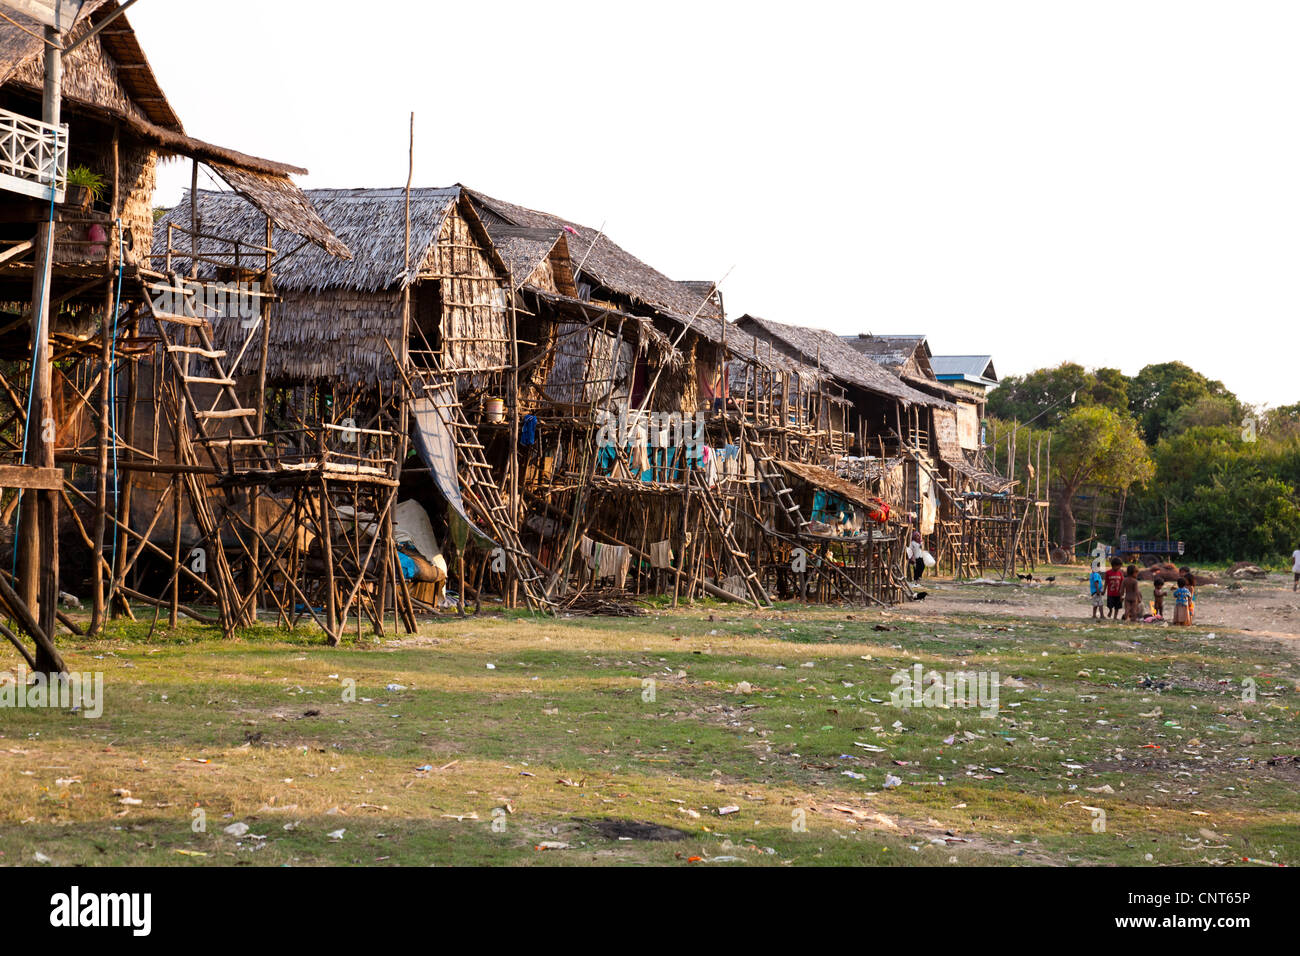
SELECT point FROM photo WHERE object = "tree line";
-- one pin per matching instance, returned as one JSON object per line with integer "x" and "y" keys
{"x": 1185, "y": 453}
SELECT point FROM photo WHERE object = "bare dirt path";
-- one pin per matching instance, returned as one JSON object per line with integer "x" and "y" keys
{"x": 1266, "y": 608}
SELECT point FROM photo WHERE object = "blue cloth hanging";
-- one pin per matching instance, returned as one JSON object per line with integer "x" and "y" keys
{"x": 528, "y": 430}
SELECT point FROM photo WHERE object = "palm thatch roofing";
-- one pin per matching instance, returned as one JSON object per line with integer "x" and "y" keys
{"x": 524, "y": 249}
{"x": 828, "y": 351}
{"x": 893, "y": 352}
{"x": 371, "y": 222}
{"x": 908, "y": 357}
{"x": 600, "y": 259}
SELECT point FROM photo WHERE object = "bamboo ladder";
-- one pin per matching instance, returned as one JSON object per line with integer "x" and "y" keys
{"x": 478, "y": 482}
{"x": 714, "y": 513}
{"x": 955, "y": 538}
{"x": 186, "y": 335}
{"x": 769, "y": 469}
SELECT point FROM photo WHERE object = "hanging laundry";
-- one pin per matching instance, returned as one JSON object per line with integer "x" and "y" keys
{"x": 528, "y": 430}
{"x": 621, "y": 566}
{"x": 661, "y": 554}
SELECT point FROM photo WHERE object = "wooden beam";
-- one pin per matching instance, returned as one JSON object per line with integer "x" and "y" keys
{"x": 31, "y": 477}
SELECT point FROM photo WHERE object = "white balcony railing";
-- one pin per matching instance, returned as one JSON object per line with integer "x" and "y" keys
{"x": 33, "y": 156}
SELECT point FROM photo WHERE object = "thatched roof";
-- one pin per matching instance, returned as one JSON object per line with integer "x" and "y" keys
{"x": 370, "y": 222}
{"x": 908, "y": 357}
{"x": 898, "y": 353}
{"x": 827, "y": 351}
{"x": 523, "y": 249}
{"x": 612, "y": 267}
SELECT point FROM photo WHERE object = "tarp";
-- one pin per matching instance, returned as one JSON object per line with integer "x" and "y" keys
{"x": 437, "y": 448}
{"x": 412, "y": 526}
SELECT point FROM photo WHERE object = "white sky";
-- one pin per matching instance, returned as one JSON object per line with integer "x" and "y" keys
{"x": 1109, "y": 183}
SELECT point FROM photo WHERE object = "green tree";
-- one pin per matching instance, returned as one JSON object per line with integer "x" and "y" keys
{"x": 1099, "y": 446}
{"x": 1239, "y": 516}
{"x": 1208, "y": 411}
{"x": 1158, "y": 392}
{"x": 1047, "y": 392}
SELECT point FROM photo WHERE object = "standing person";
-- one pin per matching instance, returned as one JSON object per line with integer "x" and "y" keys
{"x": 1295, "y": 569}
{"x": 1114, "y": 588}
{"x": 1132, "y": 594}
{"x": 1096, "y": 590}
{"x": 1158, "y": 597}
{"x": 1182, "y": 599}
{"x": 1190, "y": 584}
{"x": 915, "y": 550}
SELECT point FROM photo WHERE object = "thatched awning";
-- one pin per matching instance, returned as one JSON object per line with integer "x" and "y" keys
{"x": 285, "y": 204}
{"x": 816, "y": 475}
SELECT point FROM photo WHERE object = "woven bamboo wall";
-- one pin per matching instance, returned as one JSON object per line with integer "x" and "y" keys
{"x": 475, "y": 321}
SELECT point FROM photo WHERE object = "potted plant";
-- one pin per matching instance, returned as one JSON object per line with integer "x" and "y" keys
{"x": 84, "y": 187}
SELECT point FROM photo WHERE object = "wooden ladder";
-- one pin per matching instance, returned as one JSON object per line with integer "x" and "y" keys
{"x": 962, "y": 565}
{"x": 479, "y": 484}
{"x": 187, "y": 336}
{"x": 770, "y": 471}
{"x": 195, "y": 339}
{"x": 714, "y": 512}
{"x": 944, "y": 486}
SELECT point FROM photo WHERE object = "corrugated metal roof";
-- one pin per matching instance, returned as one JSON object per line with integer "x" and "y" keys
{"x": 969, "y": 367}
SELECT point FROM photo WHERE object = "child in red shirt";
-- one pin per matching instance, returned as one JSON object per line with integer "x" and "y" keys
{"x": 1114, "y": 581}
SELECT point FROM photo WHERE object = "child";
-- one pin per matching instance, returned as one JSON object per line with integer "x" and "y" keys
{"x": 1191, "y": 593}
{"x": 1096, "y": 588}
{"x": 1182, "y": 599}
{"x": 1132, "y": 594}
{"x": 1114, "y": 588}
{"x": 1158, "y": 597}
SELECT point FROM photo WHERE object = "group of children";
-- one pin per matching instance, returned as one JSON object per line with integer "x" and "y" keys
{"x": 1122, "y": 592}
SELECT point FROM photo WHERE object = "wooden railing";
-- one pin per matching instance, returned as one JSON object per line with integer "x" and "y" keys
{"x": 33, "y": 156}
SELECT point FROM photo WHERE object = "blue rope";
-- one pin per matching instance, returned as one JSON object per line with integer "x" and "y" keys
{"x": 36, "y": 343}
{"x": 112, "y": 378}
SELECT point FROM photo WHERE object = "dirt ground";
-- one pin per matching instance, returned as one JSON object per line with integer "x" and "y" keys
{"x": 1265, "y": 608}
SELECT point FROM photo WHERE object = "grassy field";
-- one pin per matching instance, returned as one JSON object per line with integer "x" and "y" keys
{"x": 514, "y": 740}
